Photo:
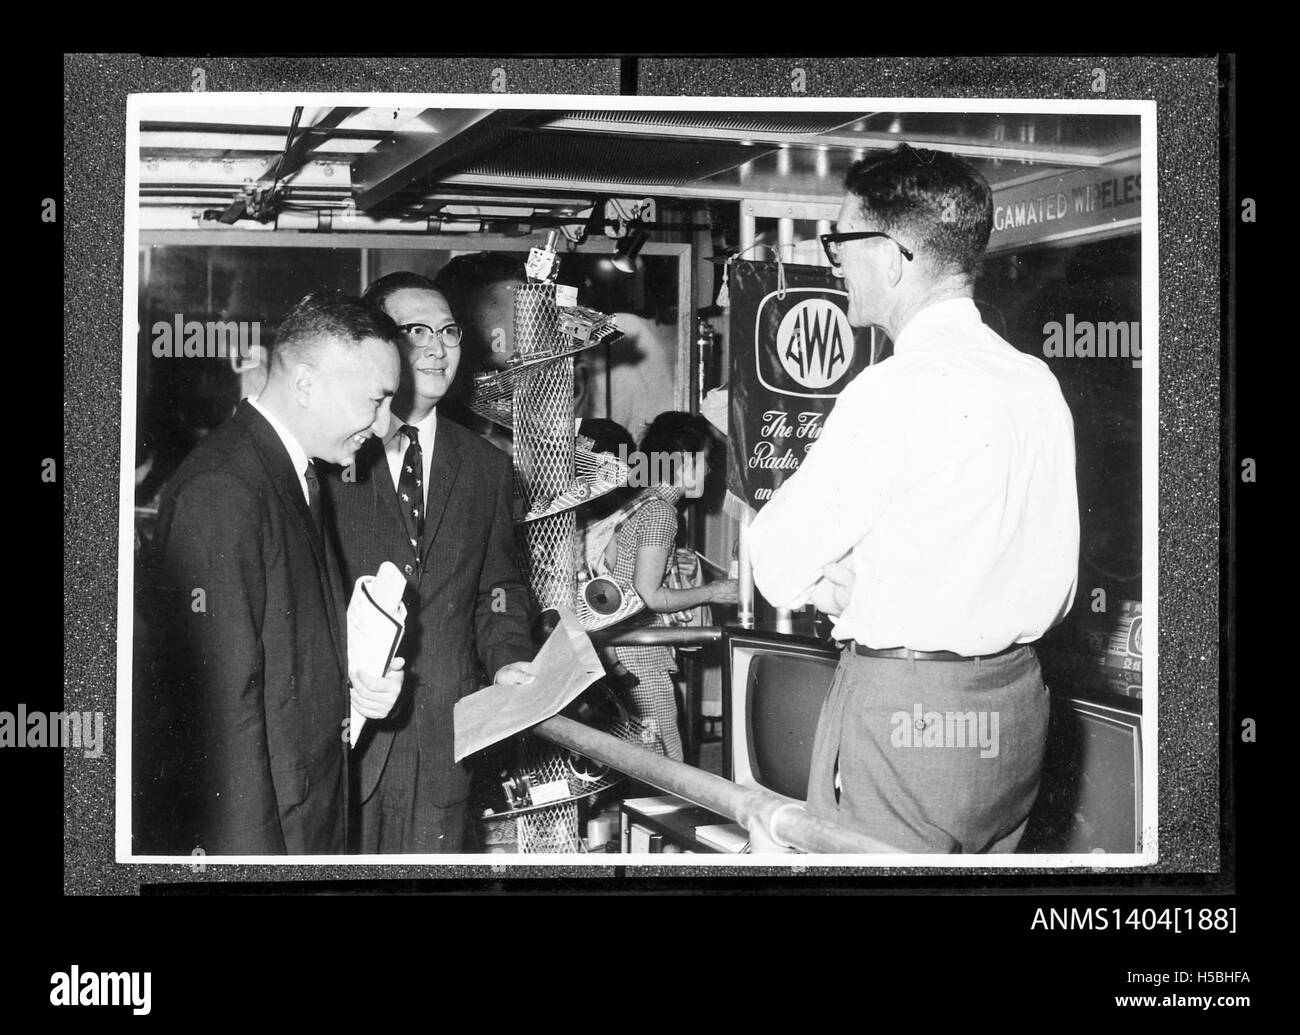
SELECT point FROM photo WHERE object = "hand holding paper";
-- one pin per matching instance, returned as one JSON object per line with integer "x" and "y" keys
{"x": 517, "y": 673}
{"x": 376, "y": 618}
{"x": 565, "y": 666}
{"x": 373, "y": 696}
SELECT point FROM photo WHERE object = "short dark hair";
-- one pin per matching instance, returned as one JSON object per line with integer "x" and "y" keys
{"x": 330, "y": 316}
{"x": 391, "y": 283}
{"x": 940, "y": 203}
{"x": 463, "y": 275}
{"x": 673, "y": 433}
{"x": 606, "y": 435}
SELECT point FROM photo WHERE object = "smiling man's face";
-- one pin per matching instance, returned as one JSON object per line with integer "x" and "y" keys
{"x": 431, "y": 369}
{"x": 351, "y": 392}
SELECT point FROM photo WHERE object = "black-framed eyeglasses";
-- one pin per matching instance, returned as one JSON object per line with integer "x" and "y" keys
{"x": 831, "y": 243}
{"x": 421, "y": 335}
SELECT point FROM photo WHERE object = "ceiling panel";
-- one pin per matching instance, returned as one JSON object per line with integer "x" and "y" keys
{"x": 789, "y": 122}
{"x": 555, "y": 159}
{"x": 613, "y": 159}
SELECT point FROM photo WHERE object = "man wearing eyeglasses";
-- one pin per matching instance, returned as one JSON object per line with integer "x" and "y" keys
{"x": 436, "y": 501}
{"x": 937, "y": 517}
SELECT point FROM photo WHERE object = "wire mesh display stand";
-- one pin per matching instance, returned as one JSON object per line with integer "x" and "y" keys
{"x": 543, "y": 407}
{"x": 543, "y": 463}
{"x": 552, "y": 829}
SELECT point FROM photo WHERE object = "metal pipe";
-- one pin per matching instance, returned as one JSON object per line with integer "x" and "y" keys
{"x": 748, "y": 232}
{"x": 785, "y": 819}
{"x": 823, "y": 227}
{"x": 656, "y": 636}
{"x": 745, "y": 573}
{"x": 744, "y": 576}
{"x": 785, "y": 239}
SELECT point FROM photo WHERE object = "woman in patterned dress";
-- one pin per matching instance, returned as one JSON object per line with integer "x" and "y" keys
{"x": 675, "y": 454}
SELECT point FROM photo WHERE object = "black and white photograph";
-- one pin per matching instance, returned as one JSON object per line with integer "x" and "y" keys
{"x": 644, "y": 481}
{"x": 577, "y": 537}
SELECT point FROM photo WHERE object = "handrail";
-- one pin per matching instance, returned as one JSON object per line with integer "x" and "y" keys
{"x": 656, "y": 636}
{"x": 786, "y": 820}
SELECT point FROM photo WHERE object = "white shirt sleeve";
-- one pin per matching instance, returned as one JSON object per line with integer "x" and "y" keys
{"x": 832, "y": 501}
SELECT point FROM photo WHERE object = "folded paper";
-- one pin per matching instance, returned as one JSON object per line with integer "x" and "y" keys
{"x": 376, "y": 618}
{"x": 566, "y": 665}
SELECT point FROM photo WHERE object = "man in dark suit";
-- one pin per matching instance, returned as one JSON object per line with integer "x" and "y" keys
{"x": 436, "y": 501}
{"x": 241, "y": 739}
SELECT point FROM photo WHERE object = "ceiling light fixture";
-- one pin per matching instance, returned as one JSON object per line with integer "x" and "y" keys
{"x": 625, "y": 252}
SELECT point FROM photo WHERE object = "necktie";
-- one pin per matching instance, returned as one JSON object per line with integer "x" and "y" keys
{"x": 313, "y": 497}
{"x": 410, "y": 487}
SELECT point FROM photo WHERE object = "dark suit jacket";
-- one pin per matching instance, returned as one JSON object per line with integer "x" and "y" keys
{"x": 238, "y": 734}
{"x": 468, "y": 611}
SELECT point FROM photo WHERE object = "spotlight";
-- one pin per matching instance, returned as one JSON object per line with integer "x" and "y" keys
{"x": 625, "y": 252}
{"x": 595, "y": 225}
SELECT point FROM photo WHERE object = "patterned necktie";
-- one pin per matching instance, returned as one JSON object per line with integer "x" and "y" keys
{"x": 410, "y": 488}
{"x": 313, "y": 497}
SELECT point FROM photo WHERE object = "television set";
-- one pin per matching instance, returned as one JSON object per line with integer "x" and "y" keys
{"x": 1090, "y": 795}
{"x": 1090, "y": 792}
{"x": 773, "y": 689}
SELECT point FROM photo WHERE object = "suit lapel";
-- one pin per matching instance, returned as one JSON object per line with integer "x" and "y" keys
{"x": 443, "y": 472}
{"x": 338, "y": 591}
{"x": 376, "y": 466}
{"x": 279, "y": 469}
{"x": 444, "y": 469}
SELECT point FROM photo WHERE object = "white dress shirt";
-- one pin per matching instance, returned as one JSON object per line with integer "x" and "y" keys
{"x": 297, "y": 455}
{"x": 948, "y": 471}
{"x": 395, "y": 446}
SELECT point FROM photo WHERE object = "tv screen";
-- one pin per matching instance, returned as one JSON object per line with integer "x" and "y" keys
{"x": 1090, "y": 794}
{"x": 775, "y": 688}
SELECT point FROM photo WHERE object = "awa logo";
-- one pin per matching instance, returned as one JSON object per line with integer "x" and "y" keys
{"x": 815, "y": 343}
{"x": 811, "y": 342}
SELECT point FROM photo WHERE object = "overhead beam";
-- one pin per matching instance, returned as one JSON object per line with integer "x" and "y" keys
{"x": 308, "y": 138}
{"x": 438, "y": 137}
{"x": 703, "y": 189}
{"x": 1006, "y": 150}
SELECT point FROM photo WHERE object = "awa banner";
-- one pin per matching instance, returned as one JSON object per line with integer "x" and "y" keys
{"x": 792, "y": 352}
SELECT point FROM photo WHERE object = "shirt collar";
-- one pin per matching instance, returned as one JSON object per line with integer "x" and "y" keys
{"x": 930, "y": 324}
{"x": 425, "y": 427}
{"x": 297, "y": 455}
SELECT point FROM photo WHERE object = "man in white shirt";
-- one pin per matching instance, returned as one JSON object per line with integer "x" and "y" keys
{"x": 944, "y": 480}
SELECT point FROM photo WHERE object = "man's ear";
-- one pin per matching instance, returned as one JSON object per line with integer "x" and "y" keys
{"x": 302, "y": 382}
{"x": 895, "y": 270}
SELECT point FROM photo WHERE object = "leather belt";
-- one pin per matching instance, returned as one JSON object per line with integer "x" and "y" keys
{"x": 907, "y": 654}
